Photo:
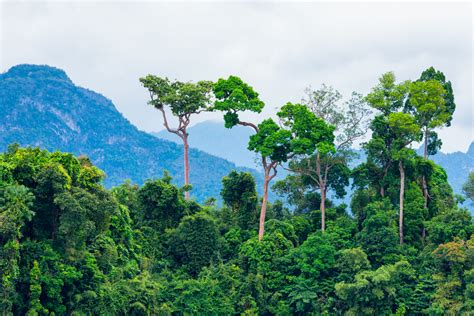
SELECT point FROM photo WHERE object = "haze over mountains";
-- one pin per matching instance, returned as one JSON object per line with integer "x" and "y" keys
{"x": 41, "y": 106}
{"x": 231, "y": 144}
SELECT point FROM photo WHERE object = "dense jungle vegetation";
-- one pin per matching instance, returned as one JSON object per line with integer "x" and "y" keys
{"x": 402, "y": 246}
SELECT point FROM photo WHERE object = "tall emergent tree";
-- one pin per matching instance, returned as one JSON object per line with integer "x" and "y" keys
{"x": 406, "y": 131}
{"x": 386, "y": 97}
{"x": 392, "y": 132}
{"x": 300, "y": 132}
{"x": 329, "y": 169}
{"x": 431, "y": 101}
{"x": 183, "y": 99}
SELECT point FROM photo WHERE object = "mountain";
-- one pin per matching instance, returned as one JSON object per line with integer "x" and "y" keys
{"x": 231, "y": 144}
{"x": 457, "y": 166}
{"x": 41, "y": 106}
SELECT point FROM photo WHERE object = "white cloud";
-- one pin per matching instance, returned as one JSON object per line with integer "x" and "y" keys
{"x": 279, "y": 48}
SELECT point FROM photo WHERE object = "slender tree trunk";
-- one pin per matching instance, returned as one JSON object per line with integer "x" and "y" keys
{"x": 402, "y": 193}
{"x": 263, "y": 211}
{"x": 423, "y": 179}
{"x": 186, "y": 163}
{"x": 323, "y": 207}
{"x": 425, "y": 151}
{"x": 322, "y": 189}
{"x": 382, "y": 189}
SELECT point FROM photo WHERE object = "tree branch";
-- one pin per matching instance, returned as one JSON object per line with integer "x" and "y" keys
{"x": 249, "y": 124}
{"x": 168, "y": 128}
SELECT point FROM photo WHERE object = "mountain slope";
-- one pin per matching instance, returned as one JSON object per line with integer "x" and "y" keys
{"x": 41, "y": 106}
{"x": 457, "y": 166}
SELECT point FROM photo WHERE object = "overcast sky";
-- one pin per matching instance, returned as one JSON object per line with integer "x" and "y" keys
{"x": 277, "y": 47}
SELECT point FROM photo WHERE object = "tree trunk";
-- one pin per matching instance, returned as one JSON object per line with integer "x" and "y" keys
{"x": 382, "y": 189}
{"x": 402, "y": 192}
{"x": 263, "y": 211}
{"x": 322, "y": 189}
{"x": 323, "y": 207}
{"x": 186, "y": 164}
{"x": 423, "y": 180}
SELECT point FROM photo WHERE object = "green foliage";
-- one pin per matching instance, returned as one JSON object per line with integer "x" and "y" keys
{"x": 453, "y": 259}
{"x": 378, "y": 236}
{"x": 350, "y": 262}
{"x": 376, "y": 292}
{"x": 71, "y": 247}
{"x": 35, "y": 307}
{"x": 432, "y": 74}
{"x": 233, "y": 96}
{"x": 162, "y": 205}
{"x": 271, "y": 141}
{"x": 240, "y": 195}
{"x": 182, "y": 97}
{"x": 15, "y": 203}
{"x": 450, "y": 224}
{"x": 309, "y": 131}
{"x": 195, "y": 243}
{"x": 387, "y": 96}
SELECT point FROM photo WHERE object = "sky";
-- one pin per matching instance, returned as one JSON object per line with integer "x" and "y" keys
{"x": 279, "y": 48}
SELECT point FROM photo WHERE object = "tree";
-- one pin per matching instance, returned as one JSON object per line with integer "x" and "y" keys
{"x": 378, "y": 236}
{"x": 184, "y": 99}
{"x": 428, "y": 105}
{"x": 329, "y": 169}
{"x": 350, "y": 262}
{"x": 239, "y": 194}
{"x": 195, "y": 242}
{"x": 406, "y": 131}
{"x": 452, "y": 259}
{"x": 35, "y": 291}
{"x": 15, "y": 211}
{"x": 300, "y": 131}
{"x": 162, "y": 205}
{"x": 393, "y": 132}
{"x": 376, "y": 292}
{"x": 311, "y": 271}
{"x": 387, "y": 97}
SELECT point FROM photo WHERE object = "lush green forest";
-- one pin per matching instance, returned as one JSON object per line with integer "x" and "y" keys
{"x": 402, "y": 247}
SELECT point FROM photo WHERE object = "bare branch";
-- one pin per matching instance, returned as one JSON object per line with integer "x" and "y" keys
{"x": 165, "y": 123}
{"x": 249, "y": 124}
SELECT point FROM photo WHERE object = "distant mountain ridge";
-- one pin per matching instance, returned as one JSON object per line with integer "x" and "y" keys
{"x": 231, "y": 144}
{"x": 41, "y": 106}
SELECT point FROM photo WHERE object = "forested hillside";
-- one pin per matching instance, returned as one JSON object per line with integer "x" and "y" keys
{"x": 41, "y": 106}
{"x": 70, "y": 246}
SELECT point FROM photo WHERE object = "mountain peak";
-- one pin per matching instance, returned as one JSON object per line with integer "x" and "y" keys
{"x": 37, "y": 72}
{"x": 471, "y": 149}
